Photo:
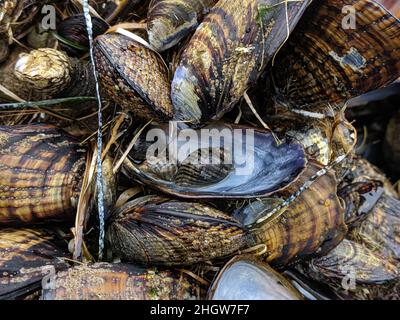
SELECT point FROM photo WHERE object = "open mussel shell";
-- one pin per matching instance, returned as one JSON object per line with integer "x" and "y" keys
{"x": 41, "y": 174}
{"x": 104, "y": 281}
{"x": 227, "y": 53}
{"x": 238, "y": 163}
{"x": 246, "y": 278}
{"x": 169, "y": 21}
{"x": 336, "y": 54}
{"x": 26, "y": 257}
{"x": 159, "y": 231}
{"x": 133, "y": 76}
{"x": 311, "y": 225}
{"x": 380, "y": 231}
{"x": 353, "y": 268}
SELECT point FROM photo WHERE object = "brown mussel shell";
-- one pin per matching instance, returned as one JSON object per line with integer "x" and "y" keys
{"x": 312, "y": 225}
{"x": 380, "y": 231}
{"x": 159, "y": 231}
{"x": 73, "y": 29}
{"x": 133, "y": 76}
{"x": 324, "y": 62}
{"x": 26, "y": 257}
{"x": 104, "y": 281}
{"x": 246, "y": 278}
{"x": 169, "y": 21}
{"x": 227, "y": 53}
{"x": 258, "y": 167}
{"x": 354, "y": 271}
{"x": 41, "y": 172}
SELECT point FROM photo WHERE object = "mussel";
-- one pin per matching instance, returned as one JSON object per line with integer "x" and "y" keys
{"x": 246, "y": 278}
{"x": 49, "y": 73}
{"x": 27, "y": 257}
{"x": 42, "y": 170}
{"x": 380, "y": 231}
{"x": 353, "y": 271}
{"x": 104, "y": 281}
{"x": 311, "y": 225}
{"x": 227, "y": 53}
{"x": 133, "y": 76}
{"x": 72, "y": 35}
{"x": 169, "y": 21}
{"x": 160, "y": 231}
{"x": 337, "y": 53}
{"x": 219, "y": 161}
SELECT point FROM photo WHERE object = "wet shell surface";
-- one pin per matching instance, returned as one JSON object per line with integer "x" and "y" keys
{"x": 367, "y": 267}
{"x": 250, "y": 164}
{"x": 169, "y": 21}
{"x": 226, "y": 55}
{"x": 312, "y": 225}
{"x": 245, "y": 278}
{"x": 380, "y": 231}
{"x": 103, "y": 281}
{"x": 133, "y": 76}
{"x": 26, "y": 257}
{"x": 159, "y": 231}
{"x": 41, "y": 171}
{"x": 326, "y": 63}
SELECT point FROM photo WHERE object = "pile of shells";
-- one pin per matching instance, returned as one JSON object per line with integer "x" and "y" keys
{"x": 247, "y": 150}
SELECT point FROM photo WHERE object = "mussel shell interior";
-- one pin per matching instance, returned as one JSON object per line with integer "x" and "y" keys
{"x": 251, "y": 280}
{"x": 269, "y": 168}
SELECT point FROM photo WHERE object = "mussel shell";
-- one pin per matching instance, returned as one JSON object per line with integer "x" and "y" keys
{"x": 42, "y": 168}
{"x": 226, "y": 55}
{"x": 159, "y": 231}
{"x": 245, "y": 278}
{"x": 380, "y": 231}
{"x": 25, "y": 256}
{"x": 325, "y": 63}
{"x": 392, "y": 144}
{"x": 274, "y": 167}
{"x": 133, "y": 76}
{"x": 169, "y": 21}
{"x": 312, "y": 225}
{"x": 360, "y": 198}
{"x": 392, "y": 5}
{"x": 73, "y": 29}
{"x": 104, "y": 281}
{"x": 368, "y": 268}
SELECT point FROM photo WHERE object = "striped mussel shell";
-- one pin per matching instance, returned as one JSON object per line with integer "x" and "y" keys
{"x": 105, "y": 281}
{"x": 26, "y": 257}
{"x": 169, "y": 21}
{"x": 324, "y": 139}
{"x": 160, "y": 231}
{"x": 310, "y": 226}
{"x": 246, "y": 278}
{"x": 42, "y": 169}
{"x": 353, "y": 271}
{"x": 242, "y": 162}
{"x": 340, "y": 49}
{"x": 380, "y": 231}
{"x": 134, "y": 76}
{"x": 227, "y": 53}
